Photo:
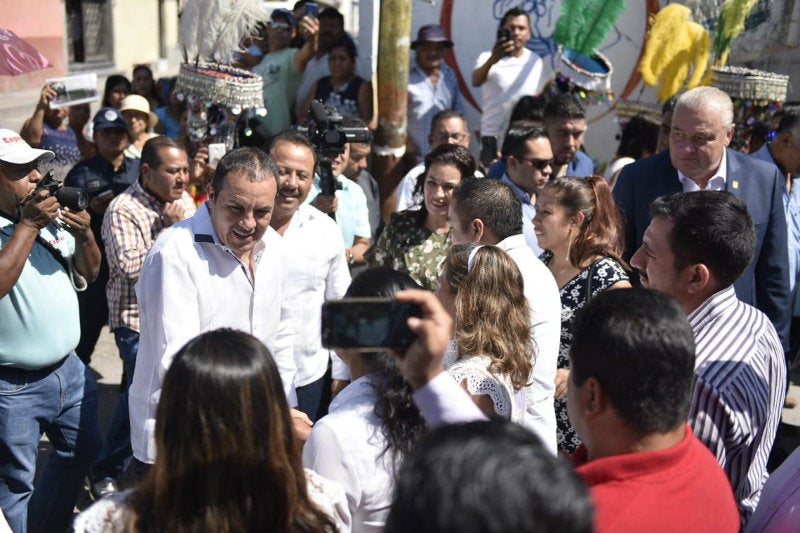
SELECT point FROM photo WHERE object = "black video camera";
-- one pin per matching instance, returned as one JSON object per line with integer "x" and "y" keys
{"x": 328, "y": 135}
{"x": 74, "y": 198}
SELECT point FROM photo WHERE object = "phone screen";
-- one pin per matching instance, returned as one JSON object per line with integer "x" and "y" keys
{"x": 488, "y": 150}
{"x": 503, "y": 34}
{"x": 310, "y": 9}
{"x": 367, "y": 323}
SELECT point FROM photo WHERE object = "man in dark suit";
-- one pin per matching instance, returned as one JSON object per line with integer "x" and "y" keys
{"x": 697, "y": 159}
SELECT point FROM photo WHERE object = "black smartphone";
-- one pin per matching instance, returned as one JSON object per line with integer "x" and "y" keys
{"x": 310, "y": 9}
{"x": 367, "y": 323}
{"x": 503, "y": 34}
{"x": 488, "y": 150}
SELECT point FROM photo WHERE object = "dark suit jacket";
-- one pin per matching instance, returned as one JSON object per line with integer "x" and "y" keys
{"x": 765, "y": 283}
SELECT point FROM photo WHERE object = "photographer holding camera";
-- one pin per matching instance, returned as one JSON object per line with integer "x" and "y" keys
{"x": 47, "y": 252}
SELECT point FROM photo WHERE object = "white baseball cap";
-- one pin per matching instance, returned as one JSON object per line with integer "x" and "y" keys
{"x": 14, "y": 150}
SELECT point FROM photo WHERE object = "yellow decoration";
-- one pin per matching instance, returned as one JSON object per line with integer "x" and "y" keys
{"x": 675, "y": 44}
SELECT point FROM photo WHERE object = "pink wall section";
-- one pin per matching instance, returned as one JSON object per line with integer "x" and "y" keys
{"x": 41, "y": 23}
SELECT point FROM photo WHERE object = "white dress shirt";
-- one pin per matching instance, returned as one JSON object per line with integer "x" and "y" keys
{"x": 541, "y": 291}
{"x": 347, "y": 446}
{"x": 191, "y": 283}
{"x": 715, "y": 183}
{"x": 316, "y": 271}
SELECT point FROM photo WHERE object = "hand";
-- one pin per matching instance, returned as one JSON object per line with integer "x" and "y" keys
{"x": 173, "y": 212}
{"x": 197, "y": 169}
{"x": 502, "y": 48}
{"x": 46, "y": 96}
{"x": 302, "y": 425}
{"x": 326, "y": 204}
{"x": 562, "y": 376}
{"x": 99, "y": 203}
{"x": 77, "y": 223}
{"x": 308, "y": 28}
{"x": 422, "y": 361}
{"x": 39, "y": 209}
{"x": 337, "y": 385}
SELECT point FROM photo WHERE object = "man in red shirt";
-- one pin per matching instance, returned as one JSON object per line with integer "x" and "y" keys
{"x": 632, "y": 366}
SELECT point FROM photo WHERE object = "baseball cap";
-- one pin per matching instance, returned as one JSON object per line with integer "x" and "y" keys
{"x": 14, "y": 150}
{"x": 285, "y": 13}
{"x": 108, "y": 117}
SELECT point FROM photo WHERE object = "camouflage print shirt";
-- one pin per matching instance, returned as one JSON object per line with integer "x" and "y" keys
{"x": 408, "y": 246}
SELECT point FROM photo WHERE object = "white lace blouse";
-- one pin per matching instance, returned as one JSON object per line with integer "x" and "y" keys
{"x": 110, "y": 514}
{"x": 474, "y": 370}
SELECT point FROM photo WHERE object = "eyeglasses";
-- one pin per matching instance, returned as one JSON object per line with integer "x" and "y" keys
{"x": 279, "y": 25}
{"x": 539, "y": 164}
{"x": 444, "y": 137}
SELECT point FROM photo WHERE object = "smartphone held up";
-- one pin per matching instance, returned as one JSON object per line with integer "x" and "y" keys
{"x": 367, "y": 324}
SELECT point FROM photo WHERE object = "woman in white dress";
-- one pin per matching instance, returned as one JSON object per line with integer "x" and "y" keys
{"x": 482, "y": 289}
{"x": 372, "y": 423}
{"x": 227, "y": 458}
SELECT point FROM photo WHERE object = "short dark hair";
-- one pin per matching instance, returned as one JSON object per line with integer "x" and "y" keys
{"x": 493, "y": 202}
{"x": 790, "y": 121}
{"x": 293, "y": 136}
{"x": 638, "y": 344}
{"x": 710, "y": 227}
{"x": 348, "y": 44}
{"x": 151, "y": 150}
{"x": 487, "y": 477}
{"x": 333, "y": 14}
{"x": 249, "y": 160}
{"x": 513, "y": 13}
{"x": 639, "y": 137}
{"x": 446, "y": 114}
{"x": 517, "y": 137}
{"x": 564, "y": 106}
{"x": 528, "y": 107}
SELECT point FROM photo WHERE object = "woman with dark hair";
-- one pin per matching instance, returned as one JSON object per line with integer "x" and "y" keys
{"x": 372, "y": 423}
{"x": 169, "y": 115}
{"x": 579, "y": 227}
{"x": 482, "y": 289}
{"x": 639, "y": 139}
{"x": 227, "y": 457}
{"x": 416, "y": 240}
{"x": 144, "y": 84}
{"x": 117, "y": 88}
{"x": 349, "y": 94}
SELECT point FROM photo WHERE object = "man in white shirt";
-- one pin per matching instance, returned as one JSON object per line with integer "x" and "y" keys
{"x": 315, "y": 262}
{"x": 489, "y": 212}
{"x": 506, "y": 73}
{"x": 222, "y": 268}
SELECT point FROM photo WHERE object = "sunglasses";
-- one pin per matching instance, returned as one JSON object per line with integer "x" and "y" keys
{"x": 279, "y": 25}
{"x": 539, "y": 164}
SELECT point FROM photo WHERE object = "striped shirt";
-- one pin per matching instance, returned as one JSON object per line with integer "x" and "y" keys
{"x": 740, "y": 383}
{"x": 130, "y": 226}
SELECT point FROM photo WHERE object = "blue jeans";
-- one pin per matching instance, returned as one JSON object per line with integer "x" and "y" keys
{"x": 116, "y": 452}
{"x": 61, "y": 402}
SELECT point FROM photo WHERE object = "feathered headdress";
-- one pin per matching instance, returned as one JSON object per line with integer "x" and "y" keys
{"x": 212, "y": 30}
{"x": 677, "y": 52}
{"x": 730, "y": 24}
{"x": 583, "y": 24}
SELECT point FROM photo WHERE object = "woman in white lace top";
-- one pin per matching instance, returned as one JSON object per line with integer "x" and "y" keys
{"x": 482, "y": 288}
{"x": 227, "y": 458}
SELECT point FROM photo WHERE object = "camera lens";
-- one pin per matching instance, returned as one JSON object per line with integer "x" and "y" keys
{"x": 74, "y": 198}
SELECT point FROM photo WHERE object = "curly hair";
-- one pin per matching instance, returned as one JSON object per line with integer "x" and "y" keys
{"x": 492, "y": 314}
{"x": 601, "y": 230}
{"x": 401, "y": 422}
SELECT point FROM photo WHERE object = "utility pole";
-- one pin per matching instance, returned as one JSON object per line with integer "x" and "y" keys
{"x": 390, "y": 136}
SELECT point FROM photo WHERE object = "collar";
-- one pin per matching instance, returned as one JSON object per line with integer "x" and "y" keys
{"x": 633, "y": 465}
{"x": 717, "y": 304}
{"x": 358, "y": 389}
{"x": 524, "y": 196}
{"x": 715, "y": 183}
{"x": 138, "y": 191}
{"x": 512, "y": 243}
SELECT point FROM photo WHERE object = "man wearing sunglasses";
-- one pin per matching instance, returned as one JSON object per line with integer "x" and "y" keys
{"x": 529, "y": 164}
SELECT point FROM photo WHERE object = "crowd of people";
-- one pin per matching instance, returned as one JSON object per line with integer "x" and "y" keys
{"x": 596, "y": 352}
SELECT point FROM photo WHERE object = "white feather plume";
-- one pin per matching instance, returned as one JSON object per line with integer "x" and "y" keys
{"x": 212, "y": 30}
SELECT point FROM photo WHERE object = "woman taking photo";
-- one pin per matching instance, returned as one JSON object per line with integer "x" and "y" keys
{"x": 227, "y": 459}
{"x": 372, "y": 423}
{"x": 416, "y": 240}
{"x": 482, "y": 289}
{"x": 579, "y": 227}
{"x": 349, "y": 94}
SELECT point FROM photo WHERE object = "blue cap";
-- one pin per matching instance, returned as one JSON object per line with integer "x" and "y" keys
{"x": 109, "y": 117}
{"x": 285, "y": 13}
